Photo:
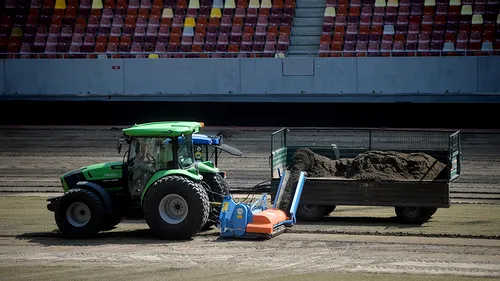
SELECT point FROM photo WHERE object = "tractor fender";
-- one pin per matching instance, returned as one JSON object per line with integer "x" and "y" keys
{"x": 103, "y": 194}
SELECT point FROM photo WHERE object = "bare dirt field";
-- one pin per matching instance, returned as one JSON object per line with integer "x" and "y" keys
{"x": 353, "y": 243}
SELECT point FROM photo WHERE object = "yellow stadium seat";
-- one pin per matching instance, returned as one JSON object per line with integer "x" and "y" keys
{"x": 230, "y": 4}
{"x": 215, "y": 13}
{"x": 498, "y": 19}
{"x": 97, "y": 4}
{"x": 330, "y": 12}
{"x": 392, "y": 3}
{"x": 455, "y": 3}
{"x": 430, "y": 3}
{"x": 379, "y": 3}
{"x": 153, "y": 56}
{"x": 189, "y": 22}
{"x": 254, "y": 4}
{"x": 16, "y": 32}
{"x": 477, "y": 19}
{"x": 466, "y": 10}
{"x": 194, "y": 4}
{"x": 279, "y": 55}
{"x": 266, "y": 4}
{"x": 167, "y": 13}
{"x": 60, "y": 4}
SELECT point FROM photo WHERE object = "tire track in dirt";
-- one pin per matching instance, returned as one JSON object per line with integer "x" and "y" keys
{"x": 307, "y": 254}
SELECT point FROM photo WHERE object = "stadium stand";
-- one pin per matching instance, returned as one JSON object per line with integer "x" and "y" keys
{"x": 243, "y": 28}
{"x": 410, "y": 27}
{"x": 146, "y": 27}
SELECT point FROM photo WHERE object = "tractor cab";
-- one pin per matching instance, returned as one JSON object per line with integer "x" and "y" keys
{"x": 147, "y": 156}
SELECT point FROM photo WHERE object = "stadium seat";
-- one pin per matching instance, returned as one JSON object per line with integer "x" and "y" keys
{"x": 358, "y": 26}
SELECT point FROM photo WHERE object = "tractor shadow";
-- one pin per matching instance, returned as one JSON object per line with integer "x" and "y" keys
{"x": 145, "y": 236}
{"x": 115, "y": 236}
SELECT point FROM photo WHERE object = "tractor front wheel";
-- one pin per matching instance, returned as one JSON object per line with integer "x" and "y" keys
{"x": 176, "y": 208}
{"x": 80, "y": 213}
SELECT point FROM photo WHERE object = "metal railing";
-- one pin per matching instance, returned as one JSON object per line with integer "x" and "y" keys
{"x": 163, "y": 55}
{"x": 409, "y": 53}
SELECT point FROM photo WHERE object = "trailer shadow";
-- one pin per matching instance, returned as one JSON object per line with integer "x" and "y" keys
{"x": 363, "y": 221}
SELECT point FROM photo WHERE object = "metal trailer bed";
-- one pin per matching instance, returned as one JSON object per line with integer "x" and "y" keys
{"x": 414, "y": 201}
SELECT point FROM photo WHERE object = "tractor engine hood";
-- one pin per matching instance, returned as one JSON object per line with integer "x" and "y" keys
{"x": 97, "y": 173}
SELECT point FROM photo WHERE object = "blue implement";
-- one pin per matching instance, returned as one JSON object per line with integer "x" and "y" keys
{"x": 243, "y": 220}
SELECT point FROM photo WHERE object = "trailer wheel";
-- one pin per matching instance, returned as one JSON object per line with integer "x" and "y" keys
{"x": 311, "y": 212}
{"x": 176, "y": 208}
{"x": 413, "y": 215}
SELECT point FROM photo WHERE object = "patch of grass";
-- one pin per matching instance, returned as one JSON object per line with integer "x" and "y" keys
{"x": 29, "y": 215}
{"x": 478, "y": 220}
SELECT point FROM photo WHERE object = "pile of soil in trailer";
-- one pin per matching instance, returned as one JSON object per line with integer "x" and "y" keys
{"x": 371, "y": 165}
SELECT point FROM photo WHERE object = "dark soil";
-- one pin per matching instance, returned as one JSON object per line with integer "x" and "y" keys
{"x": 371, "y": 165}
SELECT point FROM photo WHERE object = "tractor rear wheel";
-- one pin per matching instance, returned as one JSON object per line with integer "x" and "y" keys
{"x": 176, "y": 208}
{"x": 219, "y": 188}
{"x": 79, "y": 213}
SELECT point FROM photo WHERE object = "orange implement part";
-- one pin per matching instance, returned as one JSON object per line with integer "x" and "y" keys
{"x": 263, "y": 222}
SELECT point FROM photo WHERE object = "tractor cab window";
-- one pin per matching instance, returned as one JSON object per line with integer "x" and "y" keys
{"x": 148, "y": 155}
{"x": 185, "y": 152}
{"x": 151, "y": 154}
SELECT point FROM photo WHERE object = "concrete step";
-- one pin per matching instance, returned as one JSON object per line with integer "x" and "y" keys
{"x": 306, "y": 31}
{"x": 304, "y": 40}
{"x": 308, "y": 22}
{"x": 309, "y": 12}
{"x": 305, "y": 55}
{"x": 311, "y": 4}
{"x": 303, "y": 50}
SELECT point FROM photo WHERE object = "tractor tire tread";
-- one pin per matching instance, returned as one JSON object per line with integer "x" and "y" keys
{"x": 218, "y": 188}
{"x": 97, "y": 209}
{"x": 155, "y": 194}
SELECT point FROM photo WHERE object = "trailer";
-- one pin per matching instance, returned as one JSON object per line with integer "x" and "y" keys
{"x": 415, "y": 201}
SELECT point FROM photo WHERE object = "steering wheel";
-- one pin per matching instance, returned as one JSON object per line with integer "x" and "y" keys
{"x": 151, "y": 158}
{"x": 185, "y": 161}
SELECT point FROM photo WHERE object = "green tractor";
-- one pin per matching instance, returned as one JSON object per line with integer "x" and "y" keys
{"x": 158, "y": 180}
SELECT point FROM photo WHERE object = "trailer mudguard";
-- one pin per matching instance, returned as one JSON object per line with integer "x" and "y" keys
{"x": 100, "y": 191}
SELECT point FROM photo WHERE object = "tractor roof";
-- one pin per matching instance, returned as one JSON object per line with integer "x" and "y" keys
{"x": 163, "y": 129}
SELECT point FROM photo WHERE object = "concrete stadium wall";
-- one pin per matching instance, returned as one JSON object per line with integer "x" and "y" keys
{"x": 430, "y": 79}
